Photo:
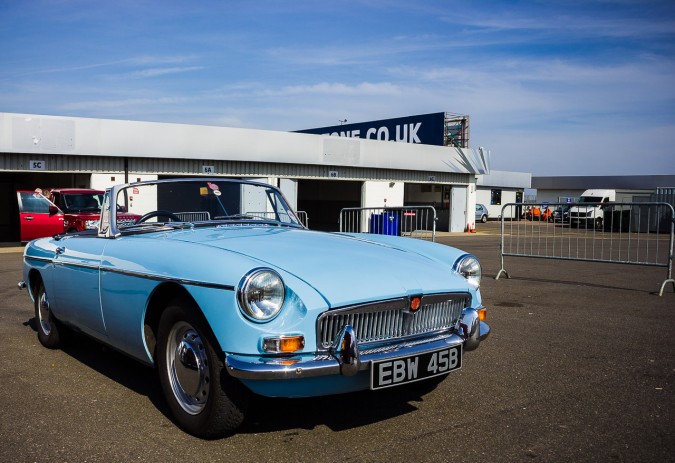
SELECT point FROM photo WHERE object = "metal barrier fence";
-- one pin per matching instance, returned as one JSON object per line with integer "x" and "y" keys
{"x": 303, "y": 218}
{"x": 414, "y": 221}
{"x": 624, "y": 233}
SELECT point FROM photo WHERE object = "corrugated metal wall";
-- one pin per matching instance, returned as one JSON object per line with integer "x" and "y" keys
{"x": 300, "y": 171}
{"x": 100, "y": 164}
{"x": 665, "y": 195}
{"x": 14, "y": 162}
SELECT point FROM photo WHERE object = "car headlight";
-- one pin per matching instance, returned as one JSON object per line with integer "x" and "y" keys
{"x": 469, "y": 267}
{"x": 261, "y": 294}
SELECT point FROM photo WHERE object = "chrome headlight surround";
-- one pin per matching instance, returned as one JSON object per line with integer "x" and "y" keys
{"x": 469, "y": 267}
{"x": 261, "y": 294}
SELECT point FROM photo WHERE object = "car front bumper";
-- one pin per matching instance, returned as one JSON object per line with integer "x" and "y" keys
{"x": 348, "y": 360}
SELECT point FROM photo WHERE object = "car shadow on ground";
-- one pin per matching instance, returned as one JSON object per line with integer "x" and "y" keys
{"x": 338, "y": 412}
{"x": 335, "y": 412}
{"x": 112, "y": 364}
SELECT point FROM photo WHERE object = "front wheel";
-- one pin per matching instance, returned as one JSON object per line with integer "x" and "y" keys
{"x": 204, "y": 400}
{"x": 49, "y": 331}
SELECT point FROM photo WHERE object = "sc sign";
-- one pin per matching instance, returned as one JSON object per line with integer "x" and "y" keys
{"x": 37, "y": 165}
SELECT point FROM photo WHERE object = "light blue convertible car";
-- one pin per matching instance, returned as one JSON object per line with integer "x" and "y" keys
{"x": 219, "y": 286}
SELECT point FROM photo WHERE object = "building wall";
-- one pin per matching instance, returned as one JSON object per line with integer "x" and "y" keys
{"x": 484, "y": 197}
{"x": 382, "y": 194}
{"x": 116, "y": 151}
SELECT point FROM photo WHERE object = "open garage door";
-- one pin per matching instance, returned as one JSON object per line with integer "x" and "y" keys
{"x": 427, "y": 194}
{"x": 323, "y": 200}
{"x": 10, "y": 182}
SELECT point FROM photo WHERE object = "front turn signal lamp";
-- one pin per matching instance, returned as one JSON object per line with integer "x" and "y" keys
{"x": 284, "y": 344}
{"x": 482, "y": 314}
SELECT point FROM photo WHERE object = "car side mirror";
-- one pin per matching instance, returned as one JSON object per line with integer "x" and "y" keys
{"x": 53, "y": 210}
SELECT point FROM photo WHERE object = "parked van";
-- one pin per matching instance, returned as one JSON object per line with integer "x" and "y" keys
{"x": 588, "y": 211}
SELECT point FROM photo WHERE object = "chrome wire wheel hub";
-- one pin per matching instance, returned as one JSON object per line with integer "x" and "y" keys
{"x": 188, "y": 368}
{"x": 43, "y": 314}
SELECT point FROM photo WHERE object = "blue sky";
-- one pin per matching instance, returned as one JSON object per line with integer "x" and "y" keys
{"x": 552, "y": 88}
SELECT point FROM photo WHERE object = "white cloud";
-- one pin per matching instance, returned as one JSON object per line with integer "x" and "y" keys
{"x": 156, "y": 72}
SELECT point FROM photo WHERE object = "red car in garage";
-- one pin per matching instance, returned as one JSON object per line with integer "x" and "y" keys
{"x": 81, "y": 206}
{"x": 38, "y": 216}
{"x": 61, "y": 210}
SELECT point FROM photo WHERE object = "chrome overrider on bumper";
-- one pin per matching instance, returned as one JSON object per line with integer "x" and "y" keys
{"x": 346, "y": 359}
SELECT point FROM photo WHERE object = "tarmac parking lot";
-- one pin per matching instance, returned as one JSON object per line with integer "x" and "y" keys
{"x": 580, "y": 366}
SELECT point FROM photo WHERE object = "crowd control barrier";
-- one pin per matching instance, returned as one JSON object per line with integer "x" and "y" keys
{"x": 623, "y": 233}
{"x": 414, "y": 221}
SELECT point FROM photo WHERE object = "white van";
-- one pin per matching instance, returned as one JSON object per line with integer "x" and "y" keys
{"x": 588, "y": 211}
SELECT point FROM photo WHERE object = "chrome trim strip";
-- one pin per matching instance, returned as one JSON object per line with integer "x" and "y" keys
{"x": 72, "y": 264}
{"x": 39, "y": 259}
{"x": 181, "y": 281}
{"x": 149, "y": 276}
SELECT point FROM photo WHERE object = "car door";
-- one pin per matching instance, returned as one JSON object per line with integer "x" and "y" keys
{"x": 76, "y": 263}
{"x": 38, "y": 217}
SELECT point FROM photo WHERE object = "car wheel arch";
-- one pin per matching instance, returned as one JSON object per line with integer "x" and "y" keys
{"x": 34, "y": 281}
{"x": 163, "y": 296}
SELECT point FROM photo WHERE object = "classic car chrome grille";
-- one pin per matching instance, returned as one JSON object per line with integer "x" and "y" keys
{"x": 392, "y": 320}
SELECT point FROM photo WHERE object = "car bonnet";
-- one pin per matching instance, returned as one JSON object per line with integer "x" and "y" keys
{"x": 343, "y": 269}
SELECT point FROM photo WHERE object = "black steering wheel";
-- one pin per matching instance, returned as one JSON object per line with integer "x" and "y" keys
{"x": 151, "y": 214}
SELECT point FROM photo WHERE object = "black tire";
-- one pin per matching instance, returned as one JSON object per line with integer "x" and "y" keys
{"x": 204, "y": 400}
{"x": 483, "y": 218}
{"x": 49, "y": 331}
{"x": 598, "y": 222}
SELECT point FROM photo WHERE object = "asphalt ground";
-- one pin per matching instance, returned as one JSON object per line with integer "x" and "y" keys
{"x": 580, "y": 366}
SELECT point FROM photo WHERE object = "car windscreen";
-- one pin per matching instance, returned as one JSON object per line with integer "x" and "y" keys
{"x": 204, "y": 202}
{"x": 82, "y": 202}
{"x": 590, "y": 199}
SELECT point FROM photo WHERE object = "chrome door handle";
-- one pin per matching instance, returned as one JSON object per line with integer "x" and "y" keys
{"x": 60, "y": 250}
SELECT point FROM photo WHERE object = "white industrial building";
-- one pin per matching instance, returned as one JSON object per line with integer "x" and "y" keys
{"x": 317, "y": 173}
{"x": 568, "y": 189}
{"x": 500, "y": 187}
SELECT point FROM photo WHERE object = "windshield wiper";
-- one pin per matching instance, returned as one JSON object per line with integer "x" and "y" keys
{"x": 155, "y": 225}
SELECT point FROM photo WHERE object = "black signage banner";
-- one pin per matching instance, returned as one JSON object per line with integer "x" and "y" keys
{"x": 426, "y": 129}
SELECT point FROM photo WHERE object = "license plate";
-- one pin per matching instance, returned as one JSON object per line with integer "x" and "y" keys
{"x": 392, "y": 372}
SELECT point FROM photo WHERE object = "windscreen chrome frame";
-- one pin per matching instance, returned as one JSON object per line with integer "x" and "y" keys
{"x": 109, "y": 200}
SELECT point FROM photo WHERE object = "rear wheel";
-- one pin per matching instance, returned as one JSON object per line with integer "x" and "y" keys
{"x": 49, "y": 331}
{"x": 203, "y": 398}
{"x": 483, "y": 218}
